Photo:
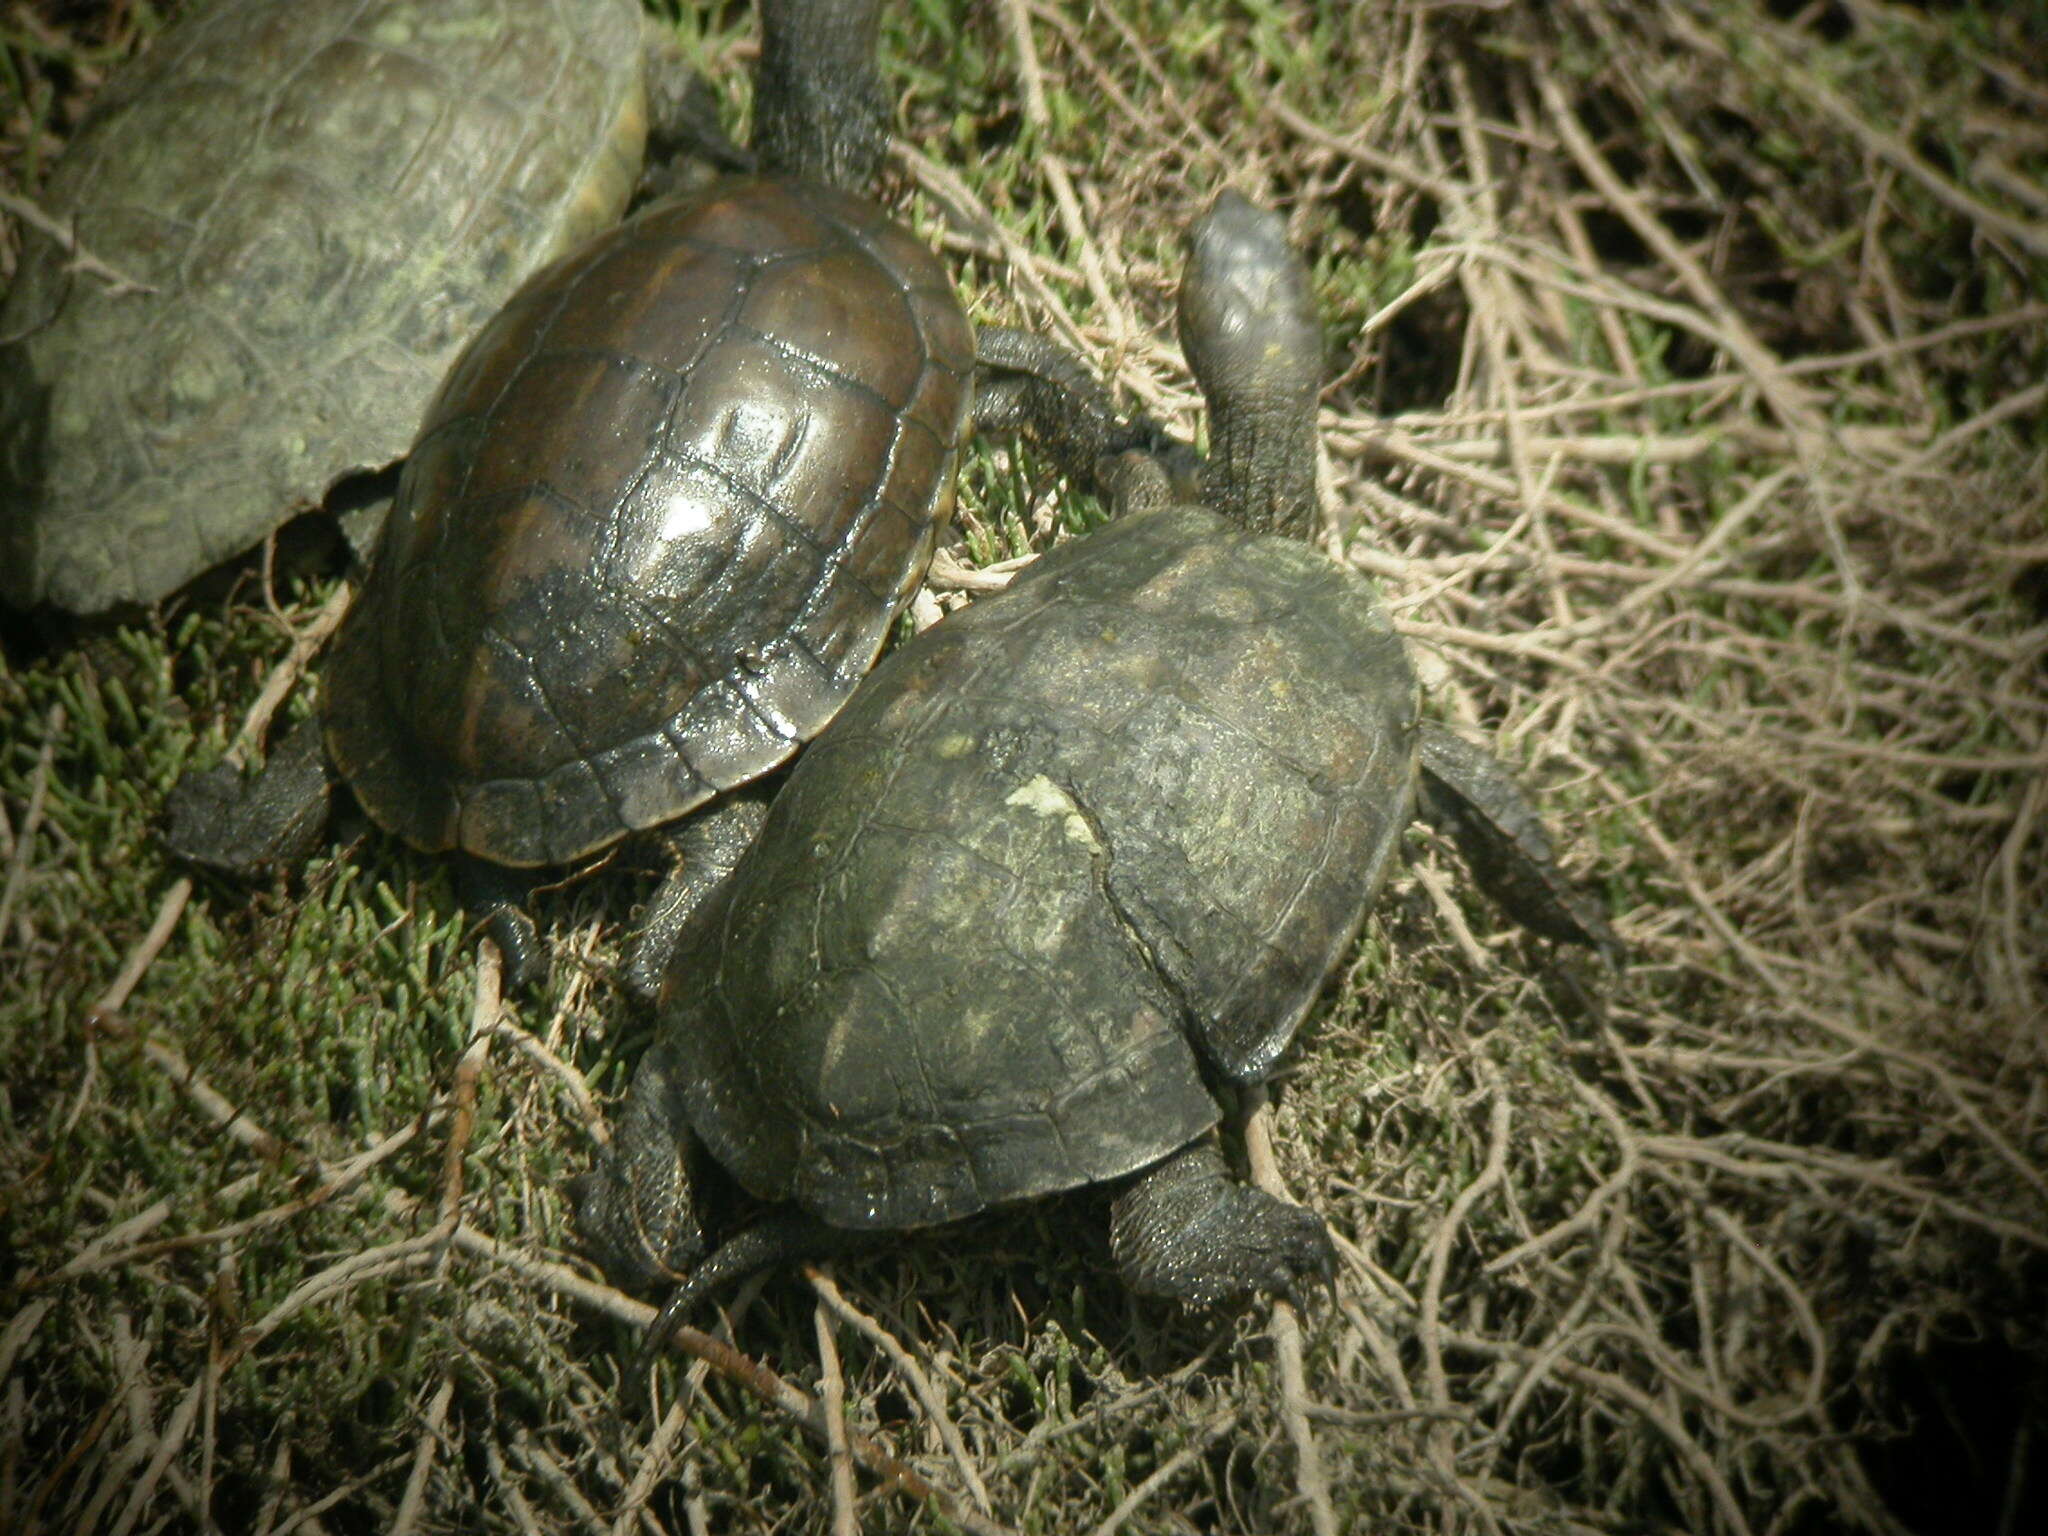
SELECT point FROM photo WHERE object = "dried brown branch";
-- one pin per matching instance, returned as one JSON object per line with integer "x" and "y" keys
{"x": 32, "y": 818}
{"x": 913, "y": 1376}
{"x": 110, "y": 1002}
{"x": 1309, "y": 1476}
{"x": 82, "y": 260}
{"x": 729, "y": 1363}
{"x": 832, "y": 1409}
{"x": 413, "y": 1502}
{"x": 306, "y": 644}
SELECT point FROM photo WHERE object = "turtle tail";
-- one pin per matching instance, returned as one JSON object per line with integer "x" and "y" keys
{"x": 783, "y": 1236}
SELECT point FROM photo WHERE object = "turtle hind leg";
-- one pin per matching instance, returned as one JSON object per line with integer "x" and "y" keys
{"x": 240, "y": 824}
{"x": 687, "y": 148}
{"x": 642, "y": 1210}
{"x": 1468, "y": 795}
{"x": 1184, "y": 1228}
{"x": 703, "y": 853}
{"x": 497, "y": 896}
{"x": 639, "y": 1211}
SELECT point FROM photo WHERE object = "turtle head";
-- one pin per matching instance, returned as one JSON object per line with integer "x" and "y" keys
{"x": 1248, "y": 326}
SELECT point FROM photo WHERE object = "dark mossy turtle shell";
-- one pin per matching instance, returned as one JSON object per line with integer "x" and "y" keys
{"x": 656, "y": 526}
{"x": 327, "y": 198}
{"x": 1123, "y": 816}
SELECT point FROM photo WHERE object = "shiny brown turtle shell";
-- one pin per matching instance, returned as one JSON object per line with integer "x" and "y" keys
{"x": 656, "y": 525}
{"x": 322, "y": 200}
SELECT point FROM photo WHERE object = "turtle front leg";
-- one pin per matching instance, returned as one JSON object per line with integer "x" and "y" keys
{"x": 1027, "y": 383}
{"x": 705, "y": 849}
{"x": 1467, "y": 794}
{"x": 1184, "y": 1228}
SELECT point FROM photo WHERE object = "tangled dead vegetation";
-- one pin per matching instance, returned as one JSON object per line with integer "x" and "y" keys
{"x": 1688, "y": 400}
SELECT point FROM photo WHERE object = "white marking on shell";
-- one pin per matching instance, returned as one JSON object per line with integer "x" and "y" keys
{"x": 1046, "y": 798}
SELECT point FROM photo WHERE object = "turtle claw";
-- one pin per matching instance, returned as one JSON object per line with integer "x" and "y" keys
{"x": 1307, "y": 1266}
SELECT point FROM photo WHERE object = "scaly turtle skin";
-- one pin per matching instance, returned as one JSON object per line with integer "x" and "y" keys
{"x": 327, "y": 198}
{"x": 1067, "y": 861}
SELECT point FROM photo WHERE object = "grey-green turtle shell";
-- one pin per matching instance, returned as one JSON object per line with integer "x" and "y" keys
{"x": 326, "y": 198}
{"x": 1064, "y": 856}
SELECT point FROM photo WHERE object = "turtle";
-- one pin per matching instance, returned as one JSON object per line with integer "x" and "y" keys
{"x": 1071, "y": 862}
{"x": 321, "y": 202}
{"x": 666, "y": 508}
